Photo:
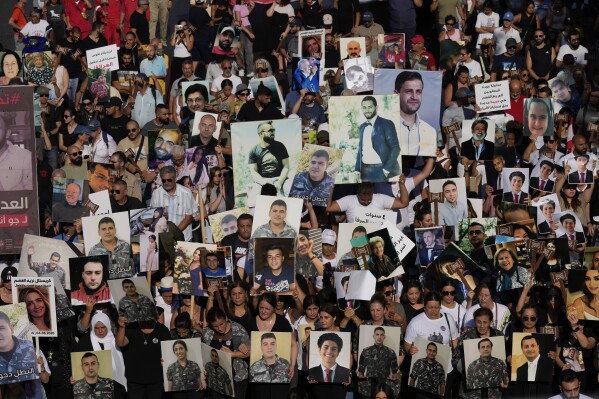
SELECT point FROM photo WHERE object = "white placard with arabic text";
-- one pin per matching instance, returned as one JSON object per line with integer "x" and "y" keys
{"x": 375, "y": 216}
{"x": 103, "y": 57}
{"x": 493, "y": 96}
{"x": 402, "y": 244}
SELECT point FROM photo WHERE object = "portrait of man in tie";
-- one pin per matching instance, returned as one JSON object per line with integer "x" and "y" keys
{"x": 540, "y": 178}
{"x": 378, "y": 150}
{"x": 515, "y": 188}
{"x": 582, "y": 175}
{"x": 341, "y": 288}
{"x": 568, "y": 224}
{"x": 538, "y": 367}
{"x": 330, "y": 347}
{"x": 430, "y": 245}
{"x": 476, "y": 146}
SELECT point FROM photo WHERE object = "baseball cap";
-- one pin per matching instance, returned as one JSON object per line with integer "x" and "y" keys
{"x": 329, "y": 237}
{"x": 327, "y": 19}
{"x": 8, "y": 273}
{"x": 510, "y": 42}
{"x": 82, "y": 129}
{"x": 143, "y": 76}
{"x": 166, "y": 284}
{"x": 508, "y": 16}
{"x": 224, "y": 107}
{"x": 241, "y": 87}
{"x": 43, "y": 90}
{"x": 94, "y": 125}
{"x": 464, "y": 92}
{"x": 296, "y": 22}
{"x": 114, "y": 102}
{"x": 228, "y": 29}
{"x": 417, "y": 39}
{"x": 367, "y": 17}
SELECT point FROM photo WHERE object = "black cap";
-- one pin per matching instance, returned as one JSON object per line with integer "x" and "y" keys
{"x": 8, "y": 273}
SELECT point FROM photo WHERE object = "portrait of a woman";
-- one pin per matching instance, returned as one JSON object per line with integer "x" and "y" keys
{"x": 586, "y": 306}
{"x": 183, "y": 374}
{"x": 510, "y": 275}
{"x": 11, "y": 67}
{"x": 38, "y": 308}
{"x": 379, "y": 264}
{"x": 39, "y": 68}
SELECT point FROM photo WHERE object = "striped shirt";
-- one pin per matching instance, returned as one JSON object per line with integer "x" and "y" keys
{"x": 183, "y": 204}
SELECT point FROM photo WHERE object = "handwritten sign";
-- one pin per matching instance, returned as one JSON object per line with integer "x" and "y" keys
{"x": 374, "y": 216}
{"x": 402, "y": 244}
{"x": 106, "y": 57}
{"x": 493, "y": 96}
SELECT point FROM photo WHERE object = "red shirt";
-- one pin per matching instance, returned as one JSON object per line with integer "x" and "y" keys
{"x": 102, "y": 295}
{"x": 79, "y": 15}
{"x": 18, "y": 16}
{"x": 517, "y": 109}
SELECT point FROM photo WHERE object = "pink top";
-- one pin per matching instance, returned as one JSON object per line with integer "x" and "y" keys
{"x": 244, "y": 12}
{"x": 455, "y": 36}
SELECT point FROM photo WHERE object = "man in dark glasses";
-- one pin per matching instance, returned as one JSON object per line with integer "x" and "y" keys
{"x": 120, "y": 201}
{"x": 75, "y": 167}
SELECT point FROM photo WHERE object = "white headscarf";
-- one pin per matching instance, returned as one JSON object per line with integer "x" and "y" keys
{"x": 118, "y": 365}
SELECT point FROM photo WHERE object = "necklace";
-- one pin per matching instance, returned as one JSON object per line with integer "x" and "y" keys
{"x": 146, "y": 336}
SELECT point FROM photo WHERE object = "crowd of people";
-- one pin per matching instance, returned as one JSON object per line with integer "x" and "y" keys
{"x": 499, "y": 207}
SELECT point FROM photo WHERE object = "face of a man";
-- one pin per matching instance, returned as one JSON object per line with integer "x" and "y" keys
{"x": 574, "y": 41}
{"x": 317, "y": 168}
{"x": 163, "y": 116}
{"x": 545, "y": 171}
{"x": 368, "y": 109}
{"x": 498, "y": 164}
{"x": 450, "y": 192}
{"x": 90, "y": 366}
{"x": 571, "y": 390}
{"x": 6, "y": 341}
{"x": 562, "y": 93}
{"x": 269, "y": 348}
{"x": 244, "y": 228}
{"x": 485, "y": 349}
{"x": 132, "y": 131}
{"x": 168, "y": 181}
{"x": 277, "y": 214}
{"x": 353, "y": 49}
{"x": 275, "y": 259}
{"x": 483, "y": 324}
{"x": 54, "y": 261}
{"x": 569, "y": 225}
{"x": 581, "y": 164}
{"x": 92, "y": 275}
{"x": 212, "y": 262}
{"x": 516, "y": 183}
{"x": 359, "y": 79}
{"x": 129, "y": 289}
{"x": 225, "y": 40}
{"x": 119, "y": 192}
{"x": 329, "y": 351}
{"x": 188, "y": 70}
{"x": 164, "y": 144}
{"x": 72, "y": 194}
{"x": 429, "y": 238}
{"x": 476, "y": 235}
{"x": 229, "y": 227}
{"x": 100, "y": 178}
{"x": 479, "y": 132}
{"x": 379, "y": 337}
{"x": 126, "y": 60}
{"x": 207, "y": 126}
{"x": 151, "y": 52}
{"x": 107, "y": 232}
{"x": 431, "y": 352}
{"x": 305, "y": 67}
{"x": 530, "y": 349}
{"x": 410, "y": 96}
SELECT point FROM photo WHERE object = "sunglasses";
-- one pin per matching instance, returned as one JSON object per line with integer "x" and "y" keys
{"x": 226, "y": 68}
{"x": 115, "y": 191}
{"x": 475, "y": 232}
{"x": 44, "y": 95}
{"x": 512, "y": 47}
{"x": 531, "y": 318}
{"x": 178, "y": 161}
{"x": 87, "y": 103}
{"x": 448, "y": 24}
{"x": 243, "y": 94}
{"x": 132, "y": 130}
{"x": 262, "y": 70}
{"x": 551, "y": 141}
{"x": 389, "y": 293}
{"x": 539, "y": 36}
{"x": 447, "y": 293}
{"x": 76, "y": 153}
{"x": 168, "y": 180}
{"x": 66, "y": 116}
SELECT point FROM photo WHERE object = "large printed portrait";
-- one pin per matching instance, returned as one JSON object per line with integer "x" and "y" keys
{"x": 484, "y": 363}
{"x": 183, "y": 365}
{"x": 420, "y": 107}
{"x": 265, "y": 152}
{"x": 379, "y": 346}
{"x": 38, "y": 295}
{"x": 188, "y": 276}
{"x": 367, "y": 128}
{"x": 19, "y": 356}
{"x": 329, "y": 350}
{"x": 270, "y": 357}
{"x": 429, "y": 367}
{"x": 89, "y": 276}
{"x": 218, "y": 367}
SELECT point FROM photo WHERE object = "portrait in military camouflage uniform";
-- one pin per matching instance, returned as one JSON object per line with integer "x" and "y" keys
{"x": 92, "y": 372}
{"x": 270, "y": 357}
{"x": 133, "y": 298}
{"x": 219, "y": 371}
{"x": 378, "y": 351}
{"x": 315, "y": 177}
{"x": 42, "y": 256}
{"x": 183, "y": 365}
{"x": 110, "y": 235}
{"x": 429, "y": 366}
{"x": 484, "y": 362}
{"x": 17, "y": 355}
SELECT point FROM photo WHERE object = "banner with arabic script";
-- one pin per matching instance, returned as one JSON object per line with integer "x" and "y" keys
{"x": 18, "y": 176}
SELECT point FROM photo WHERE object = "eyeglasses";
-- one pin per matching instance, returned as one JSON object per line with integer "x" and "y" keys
{"x": 197, "y": 100}
{"x": 475, "y": 232}
{"x": 529, "y": 318}
{"x": 178, "y": 161}
{"x": 551, "y": 141}
{"x": 132, "y": 130}
{"x": 539, "y": 36}
{"x": 512, "y": 47}
{"x": 76, "y": 153}
{"x": 168, "y": 180}
{"x": 389, "y": 293}
{"x": 447, "y": 293}
{"x": 44, "y": 95}
{"x": 243, "y": 94}
{"x": 115, "y": 191}
{"x": 66, "y": 116}
{"x": 226, "y": 68}
{"x": 262, "y": 70}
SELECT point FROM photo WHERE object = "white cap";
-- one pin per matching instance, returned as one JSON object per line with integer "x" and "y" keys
{"x": 329, "y": 237}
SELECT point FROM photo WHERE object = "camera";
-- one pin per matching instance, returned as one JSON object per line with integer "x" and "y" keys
{"x": 561, "y": 118}
{"x": 179, "y": 28}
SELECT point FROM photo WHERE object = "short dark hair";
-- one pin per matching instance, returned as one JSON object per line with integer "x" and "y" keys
{"x": 275, "y": 248}
{"x": 197, "y": 88}
{"x": 4, "y": 316}
{"x": 330, "y": 337}
{"x": 483, "y": 312}
{"x": 548, "y": 163}
{"x": 278, "y": 202}
{"x": 321, "y": 154}
{"x": 106, "y": 220}
{"x": 55, "y": 255}
{"x": 379, "y": 329}
{"x": 485, "y": 340}
{"x": 448, "y": 182}
{"x": 404, "y": 77}
{"x": 474, "y": 224}
{"x": 228, "y": 219}
{"x": 127, "y": 281}
{"x": 528, "y": 337}
{"x": 370, "y": 98}
{"x": 519, "y": 174}
{"x": 480, "y": 121}
{"x": 268, "y": 335}
{"x": 89, "y": 354}
{"x": 244, "y": 216}
{"x": 566, "y": 217}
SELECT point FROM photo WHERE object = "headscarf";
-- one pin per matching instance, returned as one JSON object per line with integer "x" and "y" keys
{"x": 118, "y": 365}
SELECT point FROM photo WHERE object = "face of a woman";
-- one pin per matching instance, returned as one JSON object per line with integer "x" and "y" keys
{"x": 312, "y": 312}
{"x": 378, "y": 249}
{"x": 238, "y": 296}
{"x": 10, "y": 66}
{"x": 180, "y": 352}
{"x": 377, "y": 311}
{"x": 483, "y": 324}
{"x": 413, "y": 294}
{"x": 505, "y": 261}
{"x": 530, "y": 9}
{"x": 38, "y": 62}
{"x": 529, "y": 318}
{"x": 35, "y": 305}
{"x": 100, "y": 330}
{"x": 326, "y": 320}
{"x": 303, "y": 245}
{"x": 432, "y": 309}
{"x": 538, "y": 119}
{"x": 463, "y": 78}
{"x": 265, "y": 310}
{"x": 484, "y": 297}
{"x": 591, "y": 281}
{"x": 196, "y": 256}
{"x": 380, "y": 395}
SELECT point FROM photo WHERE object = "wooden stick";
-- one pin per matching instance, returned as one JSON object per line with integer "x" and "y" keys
{"x": 202, "y": 214}
{"x": 193, "y": 304}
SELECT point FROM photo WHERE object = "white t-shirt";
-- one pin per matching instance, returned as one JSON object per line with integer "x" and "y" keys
{"x": 433, "y": 330}
{"x": 501, "y": 37}
{"x": 485, "y": 21}
{"x": 38, "y": 29}
{"x": 236, "y": 80}
{"x": 579, "y": 54}
{"x": 500, "y": 318}
{"x": 458, "y": 312}
{"x": 474, "y": 68}
{"x": 288, "y": 9}
{"x": 350, "y": 204}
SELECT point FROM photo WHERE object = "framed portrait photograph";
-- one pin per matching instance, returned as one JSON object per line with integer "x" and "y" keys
{"x": 89, "y": 279}
{"x": 329, "y": 357}
{"x": 183, "y": 365}
{"x": 270, "y": 357}
{"x": 38, "y": 295}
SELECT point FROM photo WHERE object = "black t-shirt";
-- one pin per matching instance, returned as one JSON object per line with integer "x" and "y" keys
{"x": 269, "y": 159}
{"x": 199, "y": 18}
{"x": 67, "y": 138}
{"x": 89, "y": 44}
{"x": 116, "y": 127}
{"x": 503, "y": 63}
{"x": 141, "y": 25}
{"x": 132, "y": 203}
{"x": 73, "y": 66}
{"x": 238, "y": 247}
{"x": 346, "y": 14}
{"x": 144, "y": 349}
{"x": 249, "y": 113}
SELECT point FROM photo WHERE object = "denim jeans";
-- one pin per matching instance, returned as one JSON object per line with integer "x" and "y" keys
{"x": 372, "y": 173}
{"x": 247, "y": 51}
{"x": 52, "y": 157}
{"x": 72, "y": 90}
